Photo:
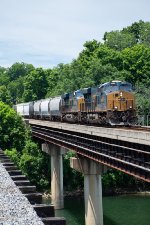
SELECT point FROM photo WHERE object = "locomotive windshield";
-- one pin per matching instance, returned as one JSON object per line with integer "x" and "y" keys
{"x": 78, "y": 94}
{"x": 113, "y": 87}
{"x": 116, "y": 86}
{"x": 126, "y": 87}
{"x": 110, "y": 87}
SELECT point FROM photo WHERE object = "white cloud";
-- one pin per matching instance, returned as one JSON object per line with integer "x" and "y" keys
{"x": 43, "y": 31}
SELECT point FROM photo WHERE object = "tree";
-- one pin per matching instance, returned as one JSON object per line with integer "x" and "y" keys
{"x": 19, "y": 69}
{"x": 109, "y": 56}
{"x": 136, "y": 60}
{"x": 52, "y": 79}
{"x": 5, "y": 95}
{"x": 100, "y": 73}
{"x": 35, "y": 85}
{"x": 15, "y": 138}
{"x": 118, "y": 40}
{"x": 16, "y": 89}
{"x": 142, "y": 92}
{"x": 12, "y": 129}
{"x": 35, "y": 164}
{"x": 4, "y": 78}
{"x": 88, "y": 52}
{"x": 135, "y": 29}
{"x": 141, "y": 32}
{"x": 145, "y": 34}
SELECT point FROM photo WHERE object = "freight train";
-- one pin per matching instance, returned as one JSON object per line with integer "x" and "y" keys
{"x": 111, "y": 103}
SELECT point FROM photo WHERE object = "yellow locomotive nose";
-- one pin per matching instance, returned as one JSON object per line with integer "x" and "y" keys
{"x": 120, "y": 101}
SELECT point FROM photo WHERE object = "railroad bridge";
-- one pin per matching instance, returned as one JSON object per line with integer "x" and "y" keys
{"x": 97, "y": 149}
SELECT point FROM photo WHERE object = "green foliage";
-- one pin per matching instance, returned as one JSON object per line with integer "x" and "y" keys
{"x": 119, "y": 40}
{"x": 141, "y": 32}
{"x": 143, "y": 98}
{"x": 137, "y": 61}
{"x": 109, "y": 56}
{"x": 19, "y": 69}
{"x": 137, "y": 33}
{"x": 72, "y": 178}
{"x": 12, "y": 128}
{"x": 13, "y": 80}
{"x": 5, "y": 95}
{"x": 124, "y": 55}
{"x": 114, "y": 180}
{"x": 88, "y": 52}
{"x": 35, "y": 85}
{"x": 52, "y": 79}
{"x": 15, "y": 138}
{"x": 4, "y": 77}
{"x": 16, "y": 89}
{"x": 14, "y": 155}
{"x": 34, "y": 164}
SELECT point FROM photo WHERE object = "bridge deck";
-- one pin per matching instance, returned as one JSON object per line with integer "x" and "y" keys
{"x": 130, "y": 135}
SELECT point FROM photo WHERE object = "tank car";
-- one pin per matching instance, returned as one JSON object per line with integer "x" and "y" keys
{"x": 25, "y": 109}
{"x": 48, "y": 108}
{"x": 55, "y": 113}
{"x": 45, "y": 108}
{"x": 37, "y": 109}
{"x": 19, "y": 109}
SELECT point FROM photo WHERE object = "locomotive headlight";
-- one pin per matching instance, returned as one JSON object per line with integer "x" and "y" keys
{"x": 130, "y": 107}
{"x": 116, "y": 107}
{"x": 121, "y": 94}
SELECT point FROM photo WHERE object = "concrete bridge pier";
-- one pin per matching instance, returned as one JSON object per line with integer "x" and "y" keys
{"x": 56, "y": 153}
{"x": 92, "y": 188}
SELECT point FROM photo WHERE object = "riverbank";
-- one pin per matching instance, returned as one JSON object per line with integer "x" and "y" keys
{"x": 74, "y": 193}
{"x": 117, "y": 192}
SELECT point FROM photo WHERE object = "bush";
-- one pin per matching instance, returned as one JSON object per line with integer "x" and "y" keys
{"x": 34, "y": 164}
{"x": 12, "y": 129}
{"x": 14, "y": 155}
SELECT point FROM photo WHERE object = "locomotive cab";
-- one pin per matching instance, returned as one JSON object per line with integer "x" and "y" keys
{"x": 71, "y": 104}
{"x": 120, "y": 102}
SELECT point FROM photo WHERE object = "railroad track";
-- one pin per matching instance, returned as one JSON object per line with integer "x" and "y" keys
{"x": 122, "y": 155}
{"x": 138, "y": 128}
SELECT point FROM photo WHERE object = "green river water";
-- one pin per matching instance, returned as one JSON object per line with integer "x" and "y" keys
{"x": 118, "y": 210}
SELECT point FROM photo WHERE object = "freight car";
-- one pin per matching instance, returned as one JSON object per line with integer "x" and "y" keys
{"x": 25, "y": 109}
{"x": 111, "y": 103}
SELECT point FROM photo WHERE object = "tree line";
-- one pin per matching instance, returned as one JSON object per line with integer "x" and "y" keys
{"x": 122, "y": 55}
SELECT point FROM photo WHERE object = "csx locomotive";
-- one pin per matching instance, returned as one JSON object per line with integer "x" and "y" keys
{"x": 112, "y": 103}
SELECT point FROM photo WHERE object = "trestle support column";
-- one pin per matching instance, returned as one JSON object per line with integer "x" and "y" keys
{"x": 92, "y": 188}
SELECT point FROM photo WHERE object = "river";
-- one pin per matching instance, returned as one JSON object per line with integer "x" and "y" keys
{"x": 118, "y": 210}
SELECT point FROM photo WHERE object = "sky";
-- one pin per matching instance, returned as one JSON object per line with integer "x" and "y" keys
{"x": 48, "y": 32}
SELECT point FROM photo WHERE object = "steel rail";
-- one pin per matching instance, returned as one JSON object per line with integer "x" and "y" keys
{"x": 57, "y": 137}
{"x": 131, "y": 128}
{"x": 92, "y": 140}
